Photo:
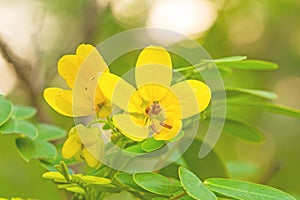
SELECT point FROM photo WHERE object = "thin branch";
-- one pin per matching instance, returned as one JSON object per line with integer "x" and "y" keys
{"x": 24, "y": 71}
{"x": 91, "y": 19}
{"x": 21, "y": 66}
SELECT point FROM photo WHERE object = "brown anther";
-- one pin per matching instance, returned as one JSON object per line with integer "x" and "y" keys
{"x": 165, "y": 125}
{"x": 154, "y": 129}
{"x": 155, "y": 108}
{"x": 147, "y": 110}
{"x": 98, "y": 107}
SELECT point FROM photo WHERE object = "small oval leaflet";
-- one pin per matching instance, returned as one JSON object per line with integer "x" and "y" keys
{"x": 193, "y": 186}
{"x": 158, "y": 184}
{"x": 245, "y": 190}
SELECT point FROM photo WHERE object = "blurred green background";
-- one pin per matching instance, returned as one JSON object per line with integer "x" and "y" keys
{"x": 40, "y": 32}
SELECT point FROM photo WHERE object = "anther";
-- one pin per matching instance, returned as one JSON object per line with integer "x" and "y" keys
{"x": 154, "y": 129}
{"x": 165, "y": 125}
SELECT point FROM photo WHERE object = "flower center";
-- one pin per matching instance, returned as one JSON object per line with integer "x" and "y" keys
{"x": 153, "y": 109}
{"x": 157, "y": 116}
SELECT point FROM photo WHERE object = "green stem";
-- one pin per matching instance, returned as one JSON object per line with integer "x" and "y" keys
{"x": 178, "y": 196}
{"x": 191, "y": 67}
{"x": 111, "y": 124}
{"x": 96, "y": 122}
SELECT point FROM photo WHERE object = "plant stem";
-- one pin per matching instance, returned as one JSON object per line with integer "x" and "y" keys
{"x": 96, "y": 122}
{"x": 197, "y": 66}
{"x": 178, "y": 196}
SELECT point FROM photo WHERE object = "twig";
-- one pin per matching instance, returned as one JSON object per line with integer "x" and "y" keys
{"x": 24, "y": 71}
{"x": 90, "y": 20}
{"x": 22, "y": 67}
{"x": 178, "y": 196}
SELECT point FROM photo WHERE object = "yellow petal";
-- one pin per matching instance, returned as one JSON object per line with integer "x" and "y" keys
{"x": 62, "y": 97}
{"x": 91, "y": 137}
{"x": 65, "y": 103}
{"x": 194, "y": 96}
{"x": 116, "y": 90}
{"x": 154, "y": 55}
{"x": 89, "y": 99}
{"x": 153, "y": 92}
{"x": 136, "y": 104}
{"x": 153, "y": 65}
{"x": 129, "y": 128}
{"x": 92, "y": 57}
{"x": 173, "y": 111}
{"x": 93, "y": 145}
{"x": 71, "y": 147}
{"x": 91, "y": 65}
{"x": 87, "y": 63}
{"x": 168, "y": 134}
{"x": 104, "y": 111}
{"x": 90, "y": 159}
{"x": 68, "y": 67}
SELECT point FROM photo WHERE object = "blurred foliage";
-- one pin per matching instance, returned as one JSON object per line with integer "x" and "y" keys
{"x": 265, "y": 30}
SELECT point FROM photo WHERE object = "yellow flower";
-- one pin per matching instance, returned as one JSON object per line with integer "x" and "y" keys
{"x": 154, "y": 106}
{"x": 83, "y": 69}
{"x": 85, "y": 146}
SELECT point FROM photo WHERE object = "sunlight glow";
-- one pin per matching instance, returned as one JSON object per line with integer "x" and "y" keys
{"x": 188, "y": 17}
{"x": 245, "y": 26}
{"x": 129, "y": 12}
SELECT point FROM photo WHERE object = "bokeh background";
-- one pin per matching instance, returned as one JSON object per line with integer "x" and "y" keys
{"x": 38, "y": 33}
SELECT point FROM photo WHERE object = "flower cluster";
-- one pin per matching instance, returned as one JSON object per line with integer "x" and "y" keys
{"x": 153, "y": 107}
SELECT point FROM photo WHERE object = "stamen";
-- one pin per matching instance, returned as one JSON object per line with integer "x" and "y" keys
{"x": 165, "y": 125}
{"x": 154, "y": 109}
{"x": 154, "y": 129}
{"x": 98, "y": 107}
{"x": 147, "y": 110}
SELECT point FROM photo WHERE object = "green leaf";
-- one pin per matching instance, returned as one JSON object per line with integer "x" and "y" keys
{"x": 63, "y": 169}
{"x": 151, "y": 144}
{"x": 136, "y": 149}
{"x": 8, "y": 127}
{"x": 245, "y": 190}
{"x": 242, "y": 169}
{"x": 19, "y": 127}
{"x": 26, "y": 128}
{"x": 232, "y": 92}
{"x": 243, "y": 131}
{"x": 224, "y": 71}
{"x": 124, "y": 195}
{"x": 192, "y": 72}
{"x": 6, "y": 109}
{"x": 210, "y": 166}
{"x": 105, "y": 188}
{"x": 268, "y": 107}
{"x": 106, "y": 127}
{"x": 26, "y": 148}
{"x": 186, "y": 197}
{"x": 127, "y": 180}
{"x": 45, "y": 150}
{"x": 72, "y": 188}
{"x": 193, "y": 186}
{"x": 95, "y": 180}
{"x": 249, "y": 65}
{"x": 49, "y": 132}
{"x": 177, "y": 137}
{"x": 56, "y": 176}
{"x": 228, "y": 59}
{"x": 23, "y": 112}
{"x": 157, "y": 183}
